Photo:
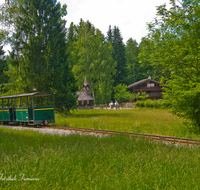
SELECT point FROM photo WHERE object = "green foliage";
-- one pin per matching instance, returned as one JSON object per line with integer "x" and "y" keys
{"x": 141, "y": 95}
{"x": 138, "y": 70}
{"x": 145, "y": 66}
{"x": 140, "y": 103}
{"x": 38, "y": 61}
{"x": 118, "y": 54}
{"x": 185, "y": 98}
{"x": 3, "y": 69}
{"x": 132, "y": 52}
{"x": 148, "y": 103}
{"x": 122, "y": 94}
{"x": 172, "y": 46}
{"x": 91, "y": 56}
{"x": 154, "y": 103}
{"x": 72, "y": 57}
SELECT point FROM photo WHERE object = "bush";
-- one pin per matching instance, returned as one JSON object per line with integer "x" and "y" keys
{"x": 153, "y": 103}
{"x": 140, "y": 103}
{"x": 148, "y": 103}
{"x": 164, "y": 103}
{"x": 156, "y": 104}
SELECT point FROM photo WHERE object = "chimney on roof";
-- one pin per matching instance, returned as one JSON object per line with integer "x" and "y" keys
{"x": 149, "y": 77}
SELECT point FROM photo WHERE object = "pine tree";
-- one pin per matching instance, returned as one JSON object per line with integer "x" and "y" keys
{"x": 109, "y": 34}
{"x": 39, "y": 54}
{"x": 71, "y": 39}
{"x": 118, "y": 54}
{"x": 132, "y": 52}
{"x": 138, "y": 70}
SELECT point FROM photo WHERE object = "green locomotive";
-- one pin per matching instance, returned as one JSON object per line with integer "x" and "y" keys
{"x": 31, "y": 109}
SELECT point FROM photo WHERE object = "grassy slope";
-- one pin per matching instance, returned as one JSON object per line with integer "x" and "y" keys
{"x": 150, "y": 121}
{"x": 87, "y": 162}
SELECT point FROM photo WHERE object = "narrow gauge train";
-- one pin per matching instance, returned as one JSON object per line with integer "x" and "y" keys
{"x": 29, "y": 109}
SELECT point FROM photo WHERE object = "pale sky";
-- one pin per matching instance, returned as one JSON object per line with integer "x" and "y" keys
{"x": 130, "y": 16}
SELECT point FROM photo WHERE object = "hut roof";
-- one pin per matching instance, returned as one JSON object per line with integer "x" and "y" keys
{"x": 82, "y": 95}
{"x": 142, "y": 81}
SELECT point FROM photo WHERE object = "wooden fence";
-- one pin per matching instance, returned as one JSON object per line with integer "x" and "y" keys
{"x": 106, "y": 106}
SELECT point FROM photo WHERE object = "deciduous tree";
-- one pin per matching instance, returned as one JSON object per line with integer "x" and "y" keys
{"x": 174, "y": 47}
{"x": 3, "y": 68}
{"x": 94, "y": 60}
{"x": 122, "y": 94}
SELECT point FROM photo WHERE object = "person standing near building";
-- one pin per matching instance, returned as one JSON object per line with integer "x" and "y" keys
{"x": 111, "y": 105}
{"x": 116, "y": 104}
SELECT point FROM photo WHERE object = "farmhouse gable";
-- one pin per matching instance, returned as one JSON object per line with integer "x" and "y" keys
{"x": 151, "y": 87}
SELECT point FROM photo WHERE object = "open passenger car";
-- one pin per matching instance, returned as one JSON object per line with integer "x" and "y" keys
{"x": 32, "y": 109}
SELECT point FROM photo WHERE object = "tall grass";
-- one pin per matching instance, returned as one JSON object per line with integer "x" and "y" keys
{"x": 141, "y": 120}
{"x": 88, "y": 162}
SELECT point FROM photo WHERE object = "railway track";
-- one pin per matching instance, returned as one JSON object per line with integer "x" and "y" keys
{"x": 159, "y": 138}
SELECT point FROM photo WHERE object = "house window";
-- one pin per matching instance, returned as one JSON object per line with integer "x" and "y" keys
{"x": 149, "y": 85}
{"x": 82, "y": 102}
{"x": 88, "y": 102}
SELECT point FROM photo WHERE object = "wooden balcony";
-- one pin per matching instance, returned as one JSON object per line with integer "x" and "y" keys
{"x": 145, "y": 89}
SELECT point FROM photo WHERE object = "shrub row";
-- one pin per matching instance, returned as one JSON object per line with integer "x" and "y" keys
{"x": 153, "y": 103}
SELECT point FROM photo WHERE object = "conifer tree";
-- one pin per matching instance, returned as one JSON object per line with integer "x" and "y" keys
{"x": 71, "y": 39}
{"x": 132, "y": 52}
{"x": 109, "y": 34}
{"x": 39, "y": 55}
{"x": 118, "y": 54}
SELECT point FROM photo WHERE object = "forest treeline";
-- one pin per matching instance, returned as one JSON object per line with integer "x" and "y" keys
{"x": 47, "y": 56}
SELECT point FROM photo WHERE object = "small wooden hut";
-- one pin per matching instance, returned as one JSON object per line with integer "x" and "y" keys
{"x": 85, "y": 99}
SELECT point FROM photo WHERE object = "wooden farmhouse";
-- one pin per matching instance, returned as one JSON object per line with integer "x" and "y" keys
{"x": 85, "y": 99}
{"x": 151, "y": 87}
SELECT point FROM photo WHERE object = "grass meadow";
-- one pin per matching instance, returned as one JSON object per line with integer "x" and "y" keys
{"x": 141, "y": 120}
{"x": 30, "y": 160}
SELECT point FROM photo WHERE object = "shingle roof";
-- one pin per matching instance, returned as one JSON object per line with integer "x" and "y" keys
{"x": 142, "y": 81}
{"x": 82, "y": 95}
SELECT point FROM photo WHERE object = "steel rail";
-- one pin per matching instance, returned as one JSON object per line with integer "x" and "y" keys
{"x": 160, "y": 138}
